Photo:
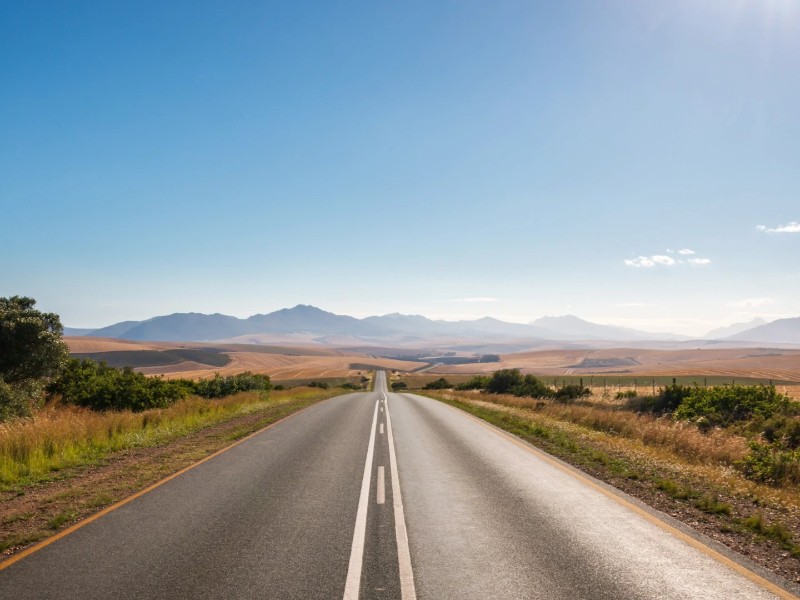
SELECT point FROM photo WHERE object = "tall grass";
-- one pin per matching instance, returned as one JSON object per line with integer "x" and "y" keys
{"x": 60, "y": 437}
{"x": 715, "y": 447}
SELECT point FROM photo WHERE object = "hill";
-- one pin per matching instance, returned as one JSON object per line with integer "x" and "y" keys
{"x": 321, "y": 326}
{"x": 781, "y": 331}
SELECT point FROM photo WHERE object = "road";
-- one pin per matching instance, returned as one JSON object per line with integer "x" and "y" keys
{"x": 379, "y": 495}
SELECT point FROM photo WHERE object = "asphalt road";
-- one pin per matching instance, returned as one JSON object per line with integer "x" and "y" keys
{"x": 377, "y": 495}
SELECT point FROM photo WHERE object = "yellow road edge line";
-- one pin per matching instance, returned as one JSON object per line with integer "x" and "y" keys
{"x": 685, "y": 537}
{"x": 82, "y": 523}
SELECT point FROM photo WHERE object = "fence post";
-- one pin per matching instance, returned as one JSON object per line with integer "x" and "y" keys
{"x": 654, "y": 386}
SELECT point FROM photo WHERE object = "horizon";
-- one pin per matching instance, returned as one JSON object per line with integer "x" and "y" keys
{"x": 531, "y": 322}
{"x": 632, "y": 164}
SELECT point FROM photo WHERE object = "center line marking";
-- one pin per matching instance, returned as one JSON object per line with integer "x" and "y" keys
{"x": 381, "y": 431}
{"x": 380, "y": 497}
{"x": 353, "y": 581}
{"x": 407, "y": 589}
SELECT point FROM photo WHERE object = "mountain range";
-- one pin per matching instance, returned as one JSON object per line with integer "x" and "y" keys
{"x": 310, "y": 320}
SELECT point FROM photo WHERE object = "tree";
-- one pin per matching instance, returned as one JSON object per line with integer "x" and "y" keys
{"x": 31, "y": 353}
{"x": 504, "y": 381}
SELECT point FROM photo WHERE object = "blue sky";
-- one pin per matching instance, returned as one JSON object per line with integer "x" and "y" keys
{"x": 453, "y": 159}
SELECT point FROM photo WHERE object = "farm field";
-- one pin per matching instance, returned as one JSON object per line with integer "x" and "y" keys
{"x": 295, "y": 363}
{"x": 776, "y": 364}
{"x": 620, "y": 368}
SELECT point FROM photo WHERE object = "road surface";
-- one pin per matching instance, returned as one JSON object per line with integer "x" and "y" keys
{"x": 379, "y": 495}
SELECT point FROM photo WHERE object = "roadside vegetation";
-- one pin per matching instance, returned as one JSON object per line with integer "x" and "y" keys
{"x": 725, "y": 459}
{"x": 77, "y": 435}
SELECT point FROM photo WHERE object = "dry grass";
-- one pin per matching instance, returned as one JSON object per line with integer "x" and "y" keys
{"x": 718, "y": 446}
{"x": 61, "y": 437}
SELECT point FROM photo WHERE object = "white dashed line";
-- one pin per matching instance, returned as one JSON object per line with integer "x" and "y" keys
{"x": 353, "y": 581}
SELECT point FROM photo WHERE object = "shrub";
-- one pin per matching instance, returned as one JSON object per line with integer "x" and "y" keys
{"x": 220, "y": 386}
{"x": 532, "y": 387}
{"x": 768, "y": 463}
{"x": 504, "y": 381}
{"x": 15, "y": 401}
{"x": 399, "y": 385}
{"x": 318, "y": 384}
{"x": 783, "y": 430}
{"x": 724, "y": 406}
{"x": 569, "y": 393}
{"x": 438, "y": 384}
{"x": 479, "y": 382}
{"x": 349, "y": 386}
{"x": 100, "y": 387}
{"x": 666, "y": 401}
{"x": 627, "y": 394}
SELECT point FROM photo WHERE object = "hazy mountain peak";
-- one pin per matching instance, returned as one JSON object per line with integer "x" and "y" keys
{"x": 733, "y": 329}
{"x": 779, "y": 331}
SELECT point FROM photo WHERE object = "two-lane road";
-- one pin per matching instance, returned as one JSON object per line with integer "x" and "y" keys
{"x": 379, "y": 495}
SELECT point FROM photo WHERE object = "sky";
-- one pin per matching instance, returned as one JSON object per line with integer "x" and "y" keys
{"x": 632, "y": 163}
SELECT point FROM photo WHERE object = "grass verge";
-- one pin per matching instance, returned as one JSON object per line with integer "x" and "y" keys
{"x": 117, "y": 455}
{"x": 668, "y": 472}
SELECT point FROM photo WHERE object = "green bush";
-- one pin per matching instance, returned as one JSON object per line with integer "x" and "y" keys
{"x": 349, "y": 386}
{"x": 100, "y": 387}
{"x": 723, "y": 406}
{"x": 97, "y": 386}
{"x": 504, "y": 381}
{"x": 220, "y": 386}
{"x": 627, "y": 394}
{"x": 783, "y": 430}
{"x": 479, "y": 382}
{"x": 318, "y": 384}
{"x": 771, "y": 464}
{"x": 399, "y": 385}
{"x": 532, "y": 387}
{"x": 438, "y": 384}
{"x": 666, "y": 401}
{"x": 16, "y": 400}
{"x": 569, "y": 393}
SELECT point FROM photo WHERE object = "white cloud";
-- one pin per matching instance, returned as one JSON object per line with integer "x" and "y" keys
{"x": 752, "y": 303}
{"x": 667, "y": 261}
{"x": 660, "y": 259}
{"x": 632, "y": 304}
{"x": 790, "y": 227}
{"x": 650, "y": 261}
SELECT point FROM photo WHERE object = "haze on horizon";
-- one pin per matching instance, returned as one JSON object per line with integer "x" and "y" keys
{"x": 634, "y": 164}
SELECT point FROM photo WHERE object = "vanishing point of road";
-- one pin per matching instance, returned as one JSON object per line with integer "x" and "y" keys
{"x": 381, "y": 495}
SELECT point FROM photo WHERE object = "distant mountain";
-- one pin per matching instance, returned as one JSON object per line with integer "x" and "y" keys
{"x": 310, "y": 320}
{"x": 117, "y": 330}
{"x": 177, "y": 327}
{"x": 780, "y": 331}
{"x": 571, "y": 327}
{"x": 418, "y": 325}
{"x": 724, "y": 332}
